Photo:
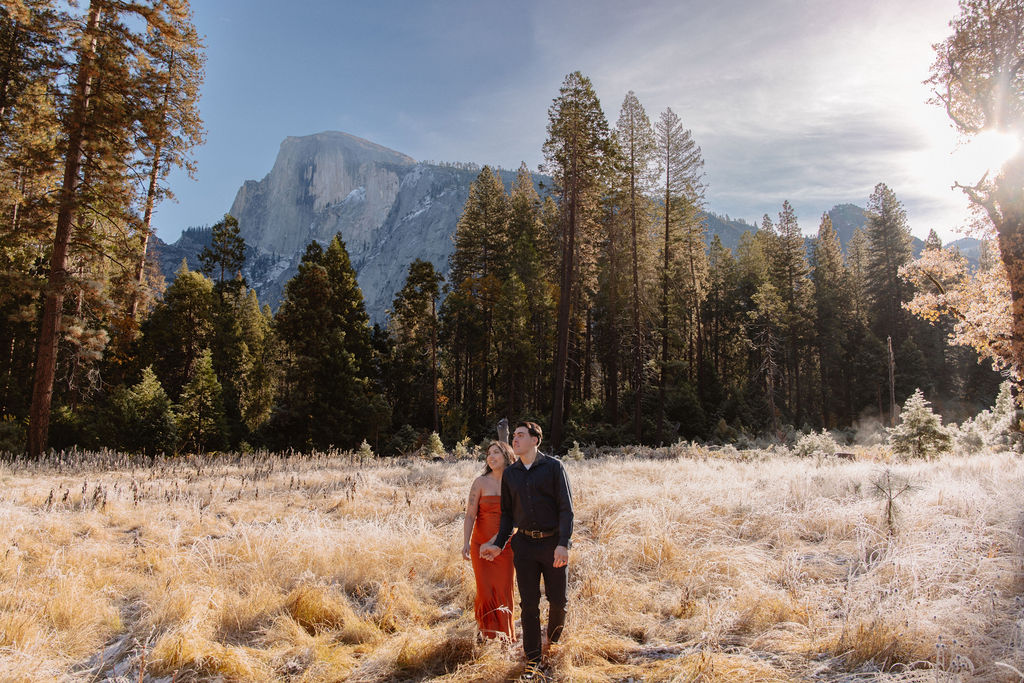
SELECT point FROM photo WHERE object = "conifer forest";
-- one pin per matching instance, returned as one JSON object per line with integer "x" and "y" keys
{"x": 596, "y": 304}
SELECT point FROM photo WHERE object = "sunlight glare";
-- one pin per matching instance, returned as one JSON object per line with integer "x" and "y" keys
{"x": 985, "y": 152}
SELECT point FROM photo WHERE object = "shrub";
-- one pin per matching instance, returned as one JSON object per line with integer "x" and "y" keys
{"x": 575, "y": 453}
{"x": 434, "y": 448}
{"x": 12, "y": 435}
{"x": 463, "y": 451}
{"x": 920, "y": 433}
{"x": 993, "y": 428}
{"x": 817, "y": 444}
{"x": 365, "y": 453}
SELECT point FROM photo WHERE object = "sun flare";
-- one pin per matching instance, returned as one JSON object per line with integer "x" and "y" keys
{"x": 986, "y": 152}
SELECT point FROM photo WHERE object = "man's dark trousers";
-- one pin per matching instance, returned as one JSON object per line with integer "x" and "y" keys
{"x": 534, "y": 558}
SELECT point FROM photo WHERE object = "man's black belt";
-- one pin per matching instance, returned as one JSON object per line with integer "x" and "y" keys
{"x": 537, "y": 534}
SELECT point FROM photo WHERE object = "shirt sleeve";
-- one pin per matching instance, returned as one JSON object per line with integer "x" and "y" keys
{"x": 564, "y": 497}
{"x": 507, "y": 505}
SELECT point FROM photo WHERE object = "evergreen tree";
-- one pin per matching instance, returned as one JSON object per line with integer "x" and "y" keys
{"x": 180, "y": 329}
{"x": 683, "y": 253}
{"x": 576, "y": 154}
{"x": 328, "y": 395}
{"x": 788, "y": 269}
{"x": 169, "y": 124}
{"x": 226, "y": 253}
{"x": 888, "y": 248}
{"x": 144, "y": 418}
{"x": 832, "y": 319}
{"x": 95, "y": 203}
{"x": 638, "y": 148}
{"x": 478, "y": 266}
{"x": 857, "y": 268}
{"x": 200, "y": 412}
{"x": 528, "y": 299}
{"x": 726, "y": 339}
{"x": 256, "y": 376}
{"x": 413, "y": 376}
{"x": 920, "y": 433}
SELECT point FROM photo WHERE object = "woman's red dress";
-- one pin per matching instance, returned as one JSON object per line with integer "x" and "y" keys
{"x": 493, "y": 578}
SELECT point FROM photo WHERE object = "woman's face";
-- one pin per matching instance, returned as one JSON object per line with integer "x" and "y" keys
{"x": 495, "y": 459}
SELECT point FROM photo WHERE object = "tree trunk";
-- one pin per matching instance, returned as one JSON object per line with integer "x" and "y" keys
{"x": 637, "y": 336}
{"x": 664, "y": 303}
{"x": 587, "y": 351}
{"x": 433, "y": 361}
{"x": 8, "y": 71}
{"x": 49, "y": 326}
{"x": 1009, "y": 195}
{"x": 564, "y": 309}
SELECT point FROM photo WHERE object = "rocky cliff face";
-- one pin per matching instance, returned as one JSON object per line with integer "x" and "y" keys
{"x": 388, "y": 208}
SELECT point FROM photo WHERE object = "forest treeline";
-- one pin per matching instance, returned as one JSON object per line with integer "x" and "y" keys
{"x": 598, "y": 310}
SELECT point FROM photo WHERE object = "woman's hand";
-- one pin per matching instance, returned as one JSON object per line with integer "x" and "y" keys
{"x": 465, "y": 552}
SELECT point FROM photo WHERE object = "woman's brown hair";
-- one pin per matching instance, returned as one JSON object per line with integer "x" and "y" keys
{"x": 506, "y": 450}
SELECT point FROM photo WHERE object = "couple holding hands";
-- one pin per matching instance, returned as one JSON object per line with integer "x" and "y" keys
{"x": 524, "y": 489}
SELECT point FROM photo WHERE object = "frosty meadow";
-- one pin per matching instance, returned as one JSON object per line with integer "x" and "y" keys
{"x": 689, "y": 564}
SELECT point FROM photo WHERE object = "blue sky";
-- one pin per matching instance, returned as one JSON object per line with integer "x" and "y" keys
{"x": 807, "y": 100}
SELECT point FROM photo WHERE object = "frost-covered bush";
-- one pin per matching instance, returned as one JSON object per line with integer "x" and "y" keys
{"x": 993, "y": 428}
{"x": 434, "y": 448}
{"x": 365, "y": 453}
{"x": 575, "y": 453}
{"x": 463, "y": 449}
{"x": 816, "y": 444}
{"x": 920, "y": 433}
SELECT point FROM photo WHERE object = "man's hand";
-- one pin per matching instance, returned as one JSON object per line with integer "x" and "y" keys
{"x": 561, "y": 556}
{"x": 489, "y": 551}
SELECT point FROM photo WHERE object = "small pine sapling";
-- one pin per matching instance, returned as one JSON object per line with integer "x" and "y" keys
{"x": 920, "y": 433}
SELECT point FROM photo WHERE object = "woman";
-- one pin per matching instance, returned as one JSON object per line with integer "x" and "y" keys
{"x": 493, "y": 578}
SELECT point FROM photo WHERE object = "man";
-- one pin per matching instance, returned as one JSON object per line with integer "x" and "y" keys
{"x": 535, "y": 498}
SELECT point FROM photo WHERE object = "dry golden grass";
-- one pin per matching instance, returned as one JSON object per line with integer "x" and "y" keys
{"x": 696, "y": 567}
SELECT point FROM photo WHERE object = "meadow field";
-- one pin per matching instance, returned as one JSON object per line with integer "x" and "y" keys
{"x": 687, "y": 564}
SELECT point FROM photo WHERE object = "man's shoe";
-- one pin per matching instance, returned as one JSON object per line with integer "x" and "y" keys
{"x": 532, "y": 673}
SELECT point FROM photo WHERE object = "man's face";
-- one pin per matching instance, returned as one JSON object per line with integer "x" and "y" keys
{"x": 522, "y": 442}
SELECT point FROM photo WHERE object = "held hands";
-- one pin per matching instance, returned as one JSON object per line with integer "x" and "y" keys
{"x": 489, "y": 551}
{"x": 561, "y": 556}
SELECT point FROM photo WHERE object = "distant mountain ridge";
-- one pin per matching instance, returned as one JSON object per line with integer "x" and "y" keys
{"x": 388, "y": 208}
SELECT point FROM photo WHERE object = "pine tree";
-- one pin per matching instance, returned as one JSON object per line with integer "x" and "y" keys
{"x": 200, "y": 412}
{"x": 576, "y": 154}
{"x": 920, "y": 433}
{"x": 888, "y": 248}
{"x": 478, "y": 266}
{"x": 147, "y": 422}
{"x": 832, "y": 311}
{"x": 528, "y": 302}
{"x": 413, "y": 369}
{"x": 256, "y": 375}
{"x": 226, "y": 253}
{"x": 180, "y": 329}
{"x": 170, "y": 125}
{"x": 723, "y": 312}
{"x": 96, "y": 201}
{"x": 636, "y": 140}
{"x": 329, "y": 395}
{"x": 683, "y": 253}
{"x": 857, "y": 268}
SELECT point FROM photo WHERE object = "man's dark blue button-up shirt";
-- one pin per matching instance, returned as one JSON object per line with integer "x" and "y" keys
{"x": 536, "y": 499}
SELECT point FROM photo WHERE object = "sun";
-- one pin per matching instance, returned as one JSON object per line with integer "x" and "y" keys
{"x": 983, "y": 153}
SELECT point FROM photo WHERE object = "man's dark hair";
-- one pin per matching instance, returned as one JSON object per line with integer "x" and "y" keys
{"x": 534, "y": 429}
